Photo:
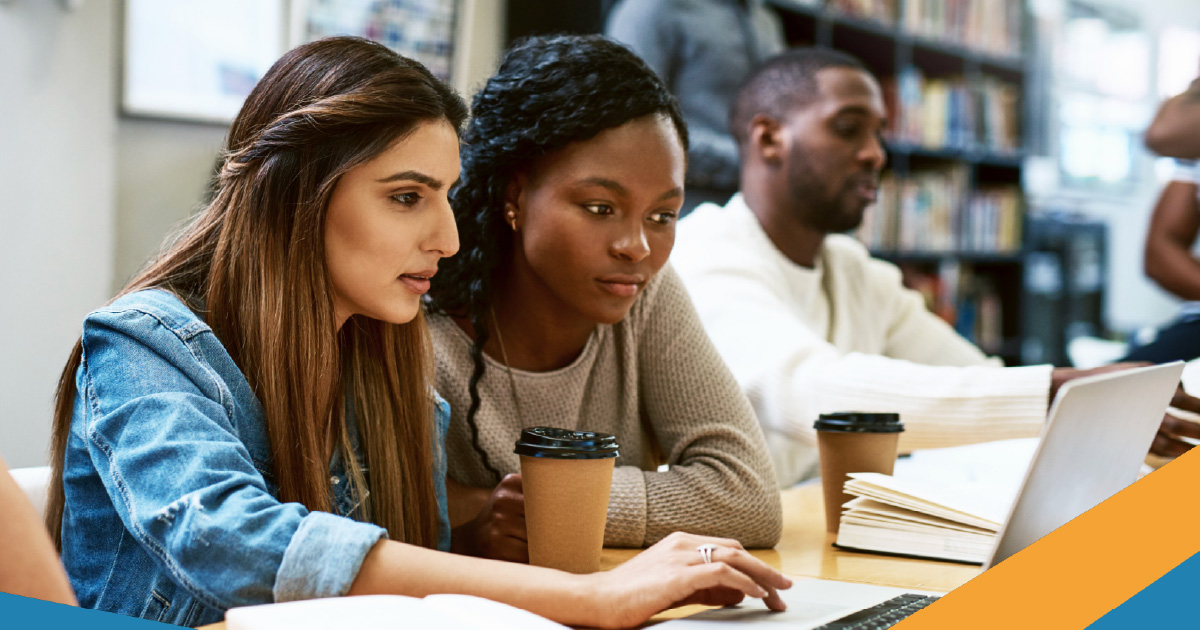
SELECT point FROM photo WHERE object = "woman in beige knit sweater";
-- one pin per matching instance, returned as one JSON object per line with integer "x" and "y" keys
{"x": 560, "y": 310}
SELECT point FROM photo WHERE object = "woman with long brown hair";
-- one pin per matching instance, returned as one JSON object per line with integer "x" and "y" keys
{"x": 253, "y": 414}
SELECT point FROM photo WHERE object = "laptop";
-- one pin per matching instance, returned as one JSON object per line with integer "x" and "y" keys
{"x": 1096, "y": 437}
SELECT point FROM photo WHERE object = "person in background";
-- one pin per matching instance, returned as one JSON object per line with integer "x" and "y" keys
{"x": 1175, "y": 130}
{"x": 1170, "y": 263}
{"x": 1174, "y": 224}
{"x": 561, "y": 309}
{"x": 28, "y": 564}
{"x": 807, "y": 320}
{"x": 702, "y": 50}
{"x": 252, "y": 419}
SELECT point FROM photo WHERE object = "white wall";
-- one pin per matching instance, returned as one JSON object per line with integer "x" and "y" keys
{"x": 479, "y": 43}
{"x": 86, "y": 196}
{"x": 163, "y": 168}
{"x": 57, "y": 182}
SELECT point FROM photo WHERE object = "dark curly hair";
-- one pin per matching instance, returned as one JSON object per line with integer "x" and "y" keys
{"x": 548, "y": 93}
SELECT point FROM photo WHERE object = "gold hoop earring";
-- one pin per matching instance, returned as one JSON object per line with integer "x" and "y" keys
{"x": 511, "y": 217}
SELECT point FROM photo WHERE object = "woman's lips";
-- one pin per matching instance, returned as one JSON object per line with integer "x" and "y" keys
{"x": 621, "y": 286}
{"x": 420, "y": 286}
{"x": 418, "y": 281}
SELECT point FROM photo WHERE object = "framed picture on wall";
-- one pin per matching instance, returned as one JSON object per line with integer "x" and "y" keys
{"x": 418, "y": 29}
{"x": 197, "y": 59}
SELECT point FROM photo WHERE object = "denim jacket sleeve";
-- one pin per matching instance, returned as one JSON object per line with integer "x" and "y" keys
{"x": 441, "y": 419}
{"x": 160, "y": 432}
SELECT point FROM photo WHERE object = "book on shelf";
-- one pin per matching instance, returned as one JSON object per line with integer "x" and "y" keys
{"x": 933, "y": 210}
{"x": 878, "y": 228}
{"x": 997, "y": 104}
{"x": 990, "y": 26}
{"x": 979, "y": 313}
{"x": 936, "y": 290}
{"x": 384, "y": 612}
{"x": 951, "y": 112}
{"x": 965, "y": 299}
{"x": 927, "y": 201}
{"x": 991, "y": 220}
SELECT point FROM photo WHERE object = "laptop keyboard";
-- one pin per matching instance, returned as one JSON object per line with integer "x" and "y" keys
{"x": 883, "y": 615}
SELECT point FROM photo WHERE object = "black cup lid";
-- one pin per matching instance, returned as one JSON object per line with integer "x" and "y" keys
{"x": 859, "y": 422}
{"x": 555, "y": 443}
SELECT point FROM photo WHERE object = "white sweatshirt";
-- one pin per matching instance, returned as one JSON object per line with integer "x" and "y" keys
{"x": 843, "y": 336}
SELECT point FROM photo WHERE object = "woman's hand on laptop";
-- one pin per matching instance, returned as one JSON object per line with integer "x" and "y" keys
{"x": 674, "y": 573}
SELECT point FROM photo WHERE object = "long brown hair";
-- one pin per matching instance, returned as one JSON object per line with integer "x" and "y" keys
{"x": 252, "y": 263}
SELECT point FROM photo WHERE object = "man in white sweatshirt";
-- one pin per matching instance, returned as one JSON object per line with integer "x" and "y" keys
{"x": 805, "y": 318}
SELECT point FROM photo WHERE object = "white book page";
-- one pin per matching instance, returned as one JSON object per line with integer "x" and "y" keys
{"x": 901, "y": 530}
{"x": 368, "y": 612}
{"x": 481, "y": 613}
{"x": 884, "y": 513}
{"x": 989, "y": 502}
{"x": 388, "y": 612}
{"x": 986, "y": 477}
{"x": 1002, "y": 462}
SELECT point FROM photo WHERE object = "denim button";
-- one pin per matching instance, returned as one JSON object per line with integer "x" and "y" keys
{"x": 334, "y": 480}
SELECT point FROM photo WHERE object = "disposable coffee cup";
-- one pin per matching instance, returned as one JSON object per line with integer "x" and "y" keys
{"x": 566, "y": 477}
{"x": 853, "y": 442}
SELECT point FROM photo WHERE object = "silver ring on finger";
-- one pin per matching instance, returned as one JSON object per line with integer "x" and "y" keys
{"x": 706, "y": 550}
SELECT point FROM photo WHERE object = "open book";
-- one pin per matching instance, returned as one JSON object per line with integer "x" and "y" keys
{"x": 946, "y": 504}
{"x": 380, "y": 612}
{"x": 910, "y": 519}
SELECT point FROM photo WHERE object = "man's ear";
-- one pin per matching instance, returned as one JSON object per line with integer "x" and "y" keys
{"x": 767, "y": 140}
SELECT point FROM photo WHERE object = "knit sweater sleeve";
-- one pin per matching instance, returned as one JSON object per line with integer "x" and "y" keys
{"x": 911, "y": 331}
{"x": 948, "y": 391}
{"x": 792, "y": 375}
{"x": 720, "y": 481}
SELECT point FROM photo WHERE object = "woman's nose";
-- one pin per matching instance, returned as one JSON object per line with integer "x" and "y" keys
{"x": 631, "y": 244}
{"x": 443, "y": 238}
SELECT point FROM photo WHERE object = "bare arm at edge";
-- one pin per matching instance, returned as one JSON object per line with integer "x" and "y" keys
{"x": 29, "y": 565}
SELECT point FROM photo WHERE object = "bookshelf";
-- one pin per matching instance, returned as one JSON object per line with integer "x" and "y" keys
{"x": 951, "y": 211}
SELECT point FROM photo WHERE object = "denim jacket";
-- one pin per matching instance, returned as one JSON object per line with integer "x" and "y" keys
{"x": 172, "y": 511}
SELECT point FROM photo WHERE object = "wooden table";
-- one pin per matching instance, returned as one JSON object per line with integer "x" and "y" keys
{"x": 807, "y": 551}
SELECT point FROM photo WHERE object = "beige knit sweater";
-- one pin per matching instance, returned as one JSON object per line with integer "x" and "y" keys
{"x": 652, "y": 378}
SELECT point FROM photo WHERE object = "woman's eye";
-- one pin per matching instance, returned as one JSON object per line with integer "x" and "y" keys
{"x": 663, "y": 218}
{"x": 407, "y": 199}
{"x": 598, "y": 208}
